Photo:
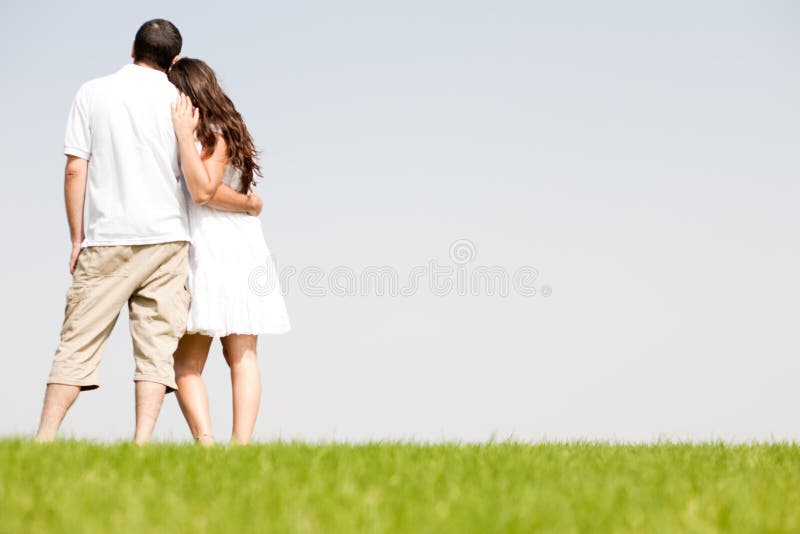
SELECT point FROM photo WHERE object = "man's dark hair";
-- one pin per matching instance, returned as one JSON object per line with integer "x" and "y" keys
{"x": 157, "y": 42}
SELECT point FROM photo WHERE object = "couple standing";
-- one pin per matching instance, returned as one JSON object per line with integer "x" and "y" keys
{"x": 130, "y": 137}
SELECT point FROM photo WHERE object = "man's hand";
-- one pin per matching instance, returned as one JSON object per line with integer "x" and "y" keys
{"x": 254, "y": 203}
{"x": 73, "y": 257}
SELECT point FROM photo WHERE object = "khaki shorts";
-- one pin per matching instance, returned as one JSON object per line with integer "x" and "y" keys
{"x": 151, "y": 279}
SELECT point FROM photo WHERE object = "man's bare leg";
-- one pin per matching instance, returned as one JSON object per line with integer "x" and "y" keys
{"x": 149, "y": 397}
{"x": 57, "y": 400}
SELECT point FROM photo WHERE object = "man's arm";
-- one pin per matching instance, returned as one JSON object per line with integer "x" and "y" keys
{"x": 75, "y": 173}
{"x": 226, "y": 199}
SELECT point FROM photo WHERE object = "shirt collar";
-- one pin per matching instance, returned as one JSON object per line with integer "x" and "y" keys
{"x": 147, "y": 71}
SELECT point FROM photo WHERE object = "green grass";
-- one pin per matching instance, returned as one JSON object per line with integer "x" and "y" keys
{"x": 73, "y": 486}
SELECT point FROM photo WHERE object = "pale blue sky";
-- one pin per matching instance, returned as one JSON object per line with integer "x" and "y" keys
{"x": 643, "y": 156}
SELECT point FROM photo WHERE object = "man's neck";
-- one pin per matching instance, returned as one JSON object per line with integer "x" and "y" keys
{"x": 148, "y": 66}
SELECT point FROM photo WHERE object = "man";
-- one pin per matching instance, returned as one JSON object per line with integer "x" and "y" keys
{"x": 131, "y": 245}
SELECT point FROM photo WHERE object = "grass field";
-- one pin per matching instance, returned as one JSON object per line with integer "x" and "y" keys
{"x": 75, "y": 486}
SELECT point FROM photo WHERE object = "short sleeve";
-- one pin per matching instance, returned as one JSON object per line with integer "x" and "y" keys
{"x": 78, "y": 138}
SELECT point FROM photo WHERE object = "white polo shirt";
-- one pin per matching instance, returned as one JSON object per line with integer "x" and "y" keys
{"x": 122, "y": 124}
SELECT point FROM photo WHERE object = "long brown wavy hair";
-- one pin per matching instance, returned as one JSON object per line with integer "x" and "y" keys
{"x": 198, "y": 81}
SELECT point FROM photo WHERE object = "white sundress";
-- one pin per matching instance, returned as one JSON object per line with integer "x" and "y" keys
{"x": 232, "y": 276}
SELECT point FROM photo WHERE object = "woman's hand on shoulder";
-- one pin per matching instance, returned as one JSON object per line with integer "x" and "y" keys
{"x": 185, "y": 117}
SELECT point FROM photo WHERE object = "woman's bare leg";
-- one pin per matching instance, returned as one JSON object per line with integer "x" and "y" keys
{"x": 240, "y": 353}
{"x": 190, "y": 359}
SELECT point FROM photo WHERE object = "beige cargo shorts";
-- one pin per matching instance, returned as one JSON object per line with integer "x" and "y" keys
{"x": 151, "y": 279}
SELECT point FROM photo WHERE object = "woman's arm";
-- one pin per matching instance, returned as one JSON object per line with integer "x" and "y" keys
{"x": 203, "y": 176}
{"x": 227, "y": 199}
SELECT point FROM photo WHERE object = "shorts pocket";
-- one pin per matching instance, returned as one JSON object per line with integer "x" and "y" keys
{"x": 177, "y": 261}
{"x": 108, "y": 260}
{"x": 76, "y": 293}
{"x": 77, "y": 297}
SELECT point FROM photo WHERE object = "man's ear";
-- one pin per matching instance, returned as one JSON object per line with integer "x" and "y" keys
{"x": 133, "y": 53}
{"x": 176, "y": 58}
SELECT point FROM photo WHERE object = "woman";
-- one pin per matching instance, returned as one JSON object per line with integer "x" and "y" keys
{"x": 228, "y": 260}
